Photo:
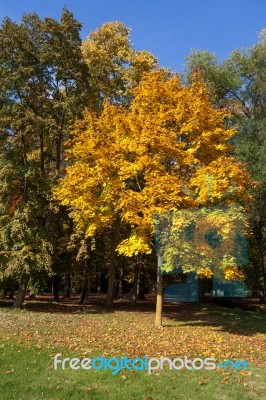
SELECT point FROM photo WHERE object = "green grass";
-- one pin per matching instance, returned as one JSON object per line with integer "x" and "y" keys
{"x": 29, "y": 340}
{"x": 27, "y": 373}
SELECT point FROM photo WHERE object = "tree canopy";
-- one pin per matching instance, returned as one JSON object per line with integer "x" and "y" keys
{"x": 97, "y": 139}
{"x": 152, "y": 158}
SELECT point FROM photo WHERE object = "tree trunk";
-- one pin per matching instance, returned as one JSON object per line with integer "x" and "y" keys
{"x": 200, "y": 290}
{"x": 159, "y": 297}
{"x": 67, "y": 287}
{"x": 135, "y": 283}
{"x": 19, "y": 300}
{"x": 56, "y": 287}
{"x": 111, "y": 284}
{"x": 85, "y": 291}
{"x": 120, "y": 291}
{"x": 141, "y": 292}
{"x": 112, "y": 271}
{"x": 85, "y": 288}
{"x": 99, "y": 280}
{"x": 264, "y": 272}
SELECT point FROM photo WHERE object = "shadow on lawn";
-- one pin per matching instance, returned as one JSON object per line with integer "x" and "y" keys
{"x": 95, "y": 305}
{"x": 232, "y": 320}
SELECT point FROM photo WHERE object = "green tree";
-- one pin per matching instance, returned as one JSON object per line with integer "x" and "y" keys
{"x": 239, "y": 83}
{"x": 44, "y": 82}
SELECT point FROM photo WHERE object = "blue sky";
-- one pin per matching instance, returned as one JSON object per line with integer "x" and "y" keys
{"x": 167, "y": 28}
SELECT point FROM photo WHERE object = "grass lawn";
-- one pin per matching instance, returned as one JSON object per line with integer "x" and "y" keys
{"x": 30, "y": 338}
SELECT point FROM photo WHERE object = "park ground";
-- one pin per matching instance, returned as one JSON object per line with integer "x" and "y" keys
{"x": 30, "y": 338}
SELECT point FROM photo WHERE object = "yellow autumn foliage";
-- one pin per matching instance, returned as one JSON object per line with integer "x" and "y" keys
{"x": 204, "y": 273}
{"x": 130, "y": 164}
{"x": 229, "y": 273}
{"x": 232, "y": 272}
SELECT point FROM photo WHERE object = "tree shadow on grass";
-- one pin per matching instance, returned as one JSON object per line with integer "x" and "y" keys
{"x": 95, "y": 305}
{"x": 231, "y": 320}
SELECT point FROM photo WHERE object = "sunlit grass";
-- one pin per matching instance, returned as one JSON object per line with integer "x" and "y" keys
{"x": 30, "y": 339}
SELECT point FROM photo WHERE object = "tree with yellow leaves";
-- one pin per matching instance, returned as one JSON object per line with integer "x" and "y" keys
{"x": 127, "y": 165}
{"x": 114, "y": 65}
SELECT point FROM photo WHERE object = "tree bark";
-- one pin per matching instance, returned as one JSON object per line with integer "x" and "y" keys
{"x": 112, "y": 271}
{"x": 85, "y": 288}
{"x": 264, "y": 272}
{"x": 99, "y": 282}
{"x": 56, "y": 287}
{"x": 67, "y": 287}
{"x": 120, "y": 291}
{"x": 135, "y": 283}
{"x": 200, "y": 290}
{"x": 159, "y": 297}
{"x": 88, "y": 288}
{"x": 20, "y": 297}
{"x": 111, "y": 283}
{"x": 85, "y": 291}
{"x": 141, "y": 291}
